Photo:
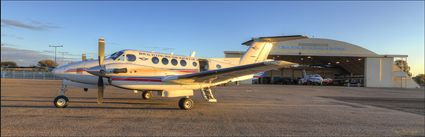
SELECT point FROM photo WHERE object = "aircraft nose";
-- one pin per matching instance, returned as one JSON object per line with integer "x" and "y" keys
{"x": 58, "y": 71}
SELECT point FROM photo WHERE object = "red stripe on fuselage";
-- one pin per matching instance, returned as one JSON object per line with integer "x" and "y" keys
{"x": 190, "y": 71}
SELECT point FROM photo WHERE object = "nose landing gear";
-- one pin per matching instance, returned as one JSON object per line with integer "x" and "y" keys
{"x": 61, "y": 101}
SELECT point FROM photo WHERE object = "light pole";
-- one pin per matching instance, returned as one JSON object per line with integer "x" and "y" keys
{"x": 63, "y": 56}
{"x": 55, "y": 49}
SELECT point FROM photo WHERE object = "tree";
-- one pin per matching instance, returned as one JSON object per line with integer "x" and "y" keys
{"x": 8, "y": 64}
{"x": 47, "y": 63}
{"x": 420, "y": 79}
{"x": 402, "y": 64}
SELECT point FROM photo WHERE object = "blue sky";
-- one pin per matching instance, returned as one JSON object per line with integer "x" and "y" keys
{"x": 211, "y": 27}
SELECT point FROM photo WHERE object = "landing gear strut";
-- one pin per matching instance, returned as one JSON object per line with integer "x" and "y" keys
{"x": 147, "y": 95}
{"x": 186, "y": 103}
{"x": 61, "y": 101}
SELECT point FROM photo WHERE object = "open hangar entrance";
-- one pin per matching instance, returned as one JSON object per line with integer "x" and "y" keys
{"x": 339, "y": 71}
{"x": 342, "y": 63}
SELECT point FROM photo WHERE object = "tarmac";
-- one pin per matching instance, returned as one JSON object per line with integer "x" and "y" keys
{"x": 246, "y": 110}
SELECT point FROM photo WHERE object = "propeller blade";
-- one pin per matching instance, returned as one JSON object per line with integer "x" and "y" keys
{"x": 101, "y": 57}
{"x": 100, "y": 88}
{"x": 101, "y": 51}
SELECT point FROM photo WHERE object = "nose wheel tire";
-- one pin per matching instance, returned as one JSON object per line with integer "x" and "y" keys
{"x": 61, "y": 101}
{"x": 186, "y": 103}
{"x": 147, "y": 95}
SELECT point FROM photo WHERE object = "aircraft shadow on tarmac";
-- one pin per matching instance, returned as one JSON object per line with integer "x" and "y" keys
{"x": 87, "y": 107}
{"x": 72, "y": 97}
{"x": 77, "y": 100}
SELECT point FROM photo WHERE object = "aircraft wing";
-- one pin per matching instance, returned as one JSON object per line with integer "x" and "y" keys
{"x": 224, "y": 74}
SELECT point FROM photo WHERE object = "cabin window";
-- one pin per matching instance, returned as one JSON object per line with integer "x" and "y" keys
{"x": 164, "y": 61}
{"x": 195, "y": 64}
{"x": 218, "y": 66}
{"x": 183, "y": 62}
{"x": 174, "y": 62}
{"x": 131, "y": 57}
{"x": 155, "y": 60}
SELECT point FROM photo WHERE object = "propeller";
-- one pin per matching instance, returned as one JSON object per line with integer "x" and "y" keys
{"x": 100, "y": 84}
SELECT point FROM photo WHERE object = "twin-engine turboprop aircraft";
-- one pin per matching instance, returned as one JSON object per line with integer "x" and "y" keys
{"x": 167, "y": 74}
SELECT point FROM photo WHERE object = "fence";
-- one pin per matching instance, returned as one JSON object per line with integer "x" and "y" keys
{"x": 28, "y": 75}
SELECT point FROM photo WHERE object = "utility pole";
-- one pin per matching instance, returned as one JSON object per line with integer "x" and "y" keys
{"x": 63, "y": 57}
{"x": 55, "y": 49}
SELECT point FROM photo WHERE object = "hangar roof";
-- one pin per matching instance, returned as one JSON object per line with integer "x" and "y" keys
{"x": 303, "y": 45}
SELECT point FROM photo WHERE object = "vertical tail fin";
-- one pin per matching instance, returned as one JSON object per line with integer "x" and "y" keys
{"x": 258, "y": 52}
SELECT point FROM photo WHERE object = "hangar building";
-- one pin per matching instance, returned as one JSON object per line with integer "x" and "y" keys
{"x": 346, "y": 64}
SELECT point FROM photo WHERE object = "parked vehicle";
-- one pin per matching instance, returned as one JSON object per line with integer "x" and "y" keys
{"x": 327, "y": 81}
{"x": 311, "y": 79}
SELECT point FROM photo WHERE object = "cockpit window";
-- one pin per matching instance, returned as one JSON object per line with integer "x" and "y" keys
{"x": 131, "y": 57}
{"x": 115, "y": 55}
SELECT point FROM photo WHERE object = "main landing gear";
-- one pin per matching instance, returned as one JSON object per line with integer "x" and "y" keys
{"x": 61, "y": 101}
{"x": 147, "y": 95}
{"x": 186, "y": 103}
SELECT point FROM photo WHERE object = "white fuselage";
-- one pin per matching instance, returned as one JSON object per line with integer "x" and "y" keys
{"x": 145, "y": 70}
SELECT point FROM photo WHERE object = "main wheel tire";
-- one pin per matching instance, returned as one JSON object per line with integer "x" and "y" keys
{"x": 61, "y": 101}
{"x": 147, "y": 95}
{"x": 186, "y": 103}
